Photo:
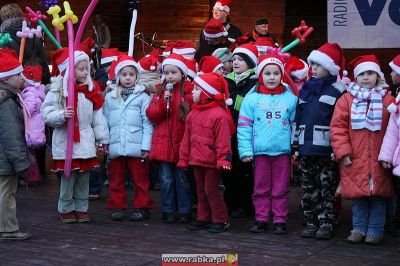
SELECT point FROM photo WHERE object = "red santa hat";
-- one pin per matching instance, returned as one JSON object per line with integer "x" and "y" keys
{"x": 223, "y": 5}
{"x": 364, "y": 63}
{"x": 214, "y": 29}
{"x": 270, "y": 59}
{"x": 111, "y": 74}
{"x": 248, "y": 49}
{"x": 9, "y": 64}
{"x": 262, "y": 43}
{"x": 124, "y": 61}
{"x": 184, "y": 47}
{"x": 178, "y": 61}
{"x": 148, "y": 63}
{"x": 329, "y": 56}
{"x": 108, "y": 55}
{"x": 210, "y": 64}
{"x": 192, "y": 67}
{"x": 213, "y": 86}
{"x": 87, "y": 46}
{"x": 59, "y": 61}
{"x": 32, "y": 75}
{"x": 297, "y": 68}
{"x": 395, "y": 64}
{"x": 168, "y": 49}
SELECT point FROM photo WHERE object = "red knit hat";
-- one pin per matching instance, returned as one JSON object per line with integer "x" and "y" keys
{"x": 214, "y": 29}
{"x": 269, "y": 59}
{"x": 213, "y": 86}
{"x": 108, "y": 55}
{"x": 148, "y": 63}
{"x": 192, "y": 67}
{"x": 364, "y": 63}
{"x": 168, "y": 48}
{"x": 178, "y": 61}
{"x": 184, "y": 47}
{"x": 209, "y": 64}
{"x": 223, "y": 5}
{"x": 297, "y": 68}
{"x": 124, "y": 61}
{"x": 262, "y": 43}
{"x": 329, "y": 56}
{"x": 248, "y": 49}
{"x": 32, "y": 75}
{"x": 9, "y": 64}
{"x": 395, "y": 64}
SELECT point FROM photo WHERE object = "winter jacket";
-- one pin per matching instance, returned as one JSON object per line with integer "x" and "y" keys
{"x": 206, "y": 141}
{"x": 34, "y": 133}
{"x": 390, "y": 150}
{"x": 265, "y": 123}
{"x": 34, "y": 50}
{"x": 92, "y": 125}
{"x": 313, "y": 119}
{"x": 130, "y": 130}
{"x": 169, "y": 129}
{"x": 366, "y": 176}
{"x": 13, "y": 151}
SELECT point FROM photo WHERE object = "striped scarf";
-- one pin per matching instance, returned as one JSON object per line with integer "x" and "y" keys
{"x": 360, "y": 118}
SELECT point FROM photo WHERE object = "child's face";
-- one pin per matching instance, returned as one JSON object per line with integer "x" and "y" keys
{"x": 220, "y": 70}
{"x": 367, "y": 79}
{"x": 395, "y": 78}
{"x": 127, "y": 77}
{"x": 271, "y": 76}
{"x": 196, "y": 93}
{"x": 82, "y": 71}
{"x": 318, "y": 71}
{"x": 227, "y": 68}
{"x": 15, "y": 82}
{"x": 172, "y": 74}
{"x": 239, "y": 65}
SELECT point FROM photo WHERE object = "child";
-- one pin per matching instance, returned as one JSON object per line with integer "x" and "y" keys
{"x": 168, "y": 110}
{"x": 14, "y": 160}
{"x": 313, "y": 115}
{"x": 206, "y": 146}
{"x": 264, "y": 135}
{"x": 239, "y": 182}
{"x": 209, "y": 64}
{"x": 33, "y": 96}
{"x": 90, "y": 128}
{"x": 225, "y": 56}
{"x": 358, "y": 127}
{"x": 148, "y": 76}
{"x": 298, "y": 71}
{"x": 395, "y": 74}
{"x": 130, "y": 141}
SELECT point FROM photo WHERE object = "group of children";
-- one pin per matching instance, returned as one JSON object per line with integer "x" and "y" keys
{"x": 238, "y": 126}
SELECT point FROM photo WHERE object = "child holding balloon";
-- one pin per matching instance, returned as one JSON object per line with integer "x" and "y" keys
{"x": 90, "y": 128}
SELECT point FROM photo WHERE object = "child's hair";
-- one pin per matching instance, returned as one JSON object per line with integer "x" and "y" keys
{"x": 184, "y": 107}
{"x": 10, "y": 11}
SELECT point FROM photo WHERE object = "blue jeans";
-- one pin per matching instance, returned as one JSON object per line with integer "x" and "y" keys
{"x": 369, "y": 216}
{"x": 175, "y": 190}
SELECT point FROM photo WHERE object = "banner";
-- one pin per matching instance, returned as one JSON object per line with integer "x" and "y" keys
{"x": 364, "y": 23}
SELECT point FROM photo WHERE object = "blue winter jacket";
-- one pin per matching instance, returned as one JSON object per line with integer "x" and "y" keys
{"x": 264, "y": 126}
{"x": 130, "y": 130}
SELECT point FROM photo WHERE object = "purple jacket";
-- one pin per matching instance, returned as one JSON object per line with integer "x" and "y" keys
{"x": 390, "y": 150}
{"x": 34, "y": 128}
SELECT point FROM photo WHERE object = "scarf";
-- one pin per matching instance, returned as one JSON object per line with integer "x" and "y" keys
{"x": 94, "y": 96}
{"x": 126, "y": 92}
{"x": 314, "y": 86}
{"x": 213, "y": 104}
{"x": 360, "y": 118}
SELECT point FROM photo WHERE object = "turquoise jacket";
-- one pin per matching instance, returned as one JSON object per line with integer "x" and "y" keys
{"x": 265, "y": 123}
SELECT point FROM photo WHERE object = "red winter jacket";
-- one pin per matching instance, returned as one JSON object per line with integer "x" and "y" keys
{"x": 168, "y": 130}
{"x": 207, "y": 139}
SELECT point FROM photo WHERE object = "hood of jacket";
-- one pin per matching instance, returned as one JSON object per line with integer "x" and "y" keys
{"x": 38, "y": 91}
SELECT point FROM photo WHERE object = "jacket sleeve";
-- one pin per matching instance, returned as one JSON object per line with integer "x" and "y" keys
{"x": 292, "y": 121}
{"x": 100, "y": 127}
{"x": 12, "y": 138}
{"x": 52, "y": 111}
{"x": 390, "y": 141}
{"x": 245, "y": 129}
{"x": 106, "y": 110}
{"x": 184, "y": 148}
{"x": 340, "y": 134}
{"x": 147, "y": 125}
{"x": 157, "y": 110}
{"x": 223, "y": 142}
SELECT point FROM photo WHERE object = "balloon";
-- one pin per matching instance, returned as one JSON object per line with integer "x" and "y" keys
{"x": 59, "y": 21}
{"x": 4, "y": 39}
{"x": 301, "y": 33}
{"x": 57, "y": 33}
{"x": 70, "y": 99}
{"x": 46, "y": 30}
{"x": 26, "y": 32}
{"x": 48, "y": 3}
{"x": 290, "y": 45}
{"x": 35, "y": 16}
{"x": 85, "y": 18}
{"x": 132, "y": 33}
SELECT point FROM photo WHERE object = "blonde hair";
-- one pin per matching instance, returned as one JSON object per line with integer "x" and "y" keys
{"x": 10, "y": 11}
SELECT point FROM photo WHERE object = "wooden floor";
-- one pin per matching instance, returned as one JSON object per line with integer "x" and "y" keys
{"x": 104, "y": 242}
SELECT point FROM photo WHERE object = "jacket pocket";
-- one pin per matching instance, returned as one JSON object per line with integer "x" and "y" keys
{"x": 301, "y": 132}
{"x": 321, "y": 136}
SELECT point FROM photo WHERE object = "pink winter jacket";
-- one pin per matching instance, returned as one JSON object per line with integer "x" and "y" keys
{"x": 34, "y": 128}
{"x": 390, "y": 149}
